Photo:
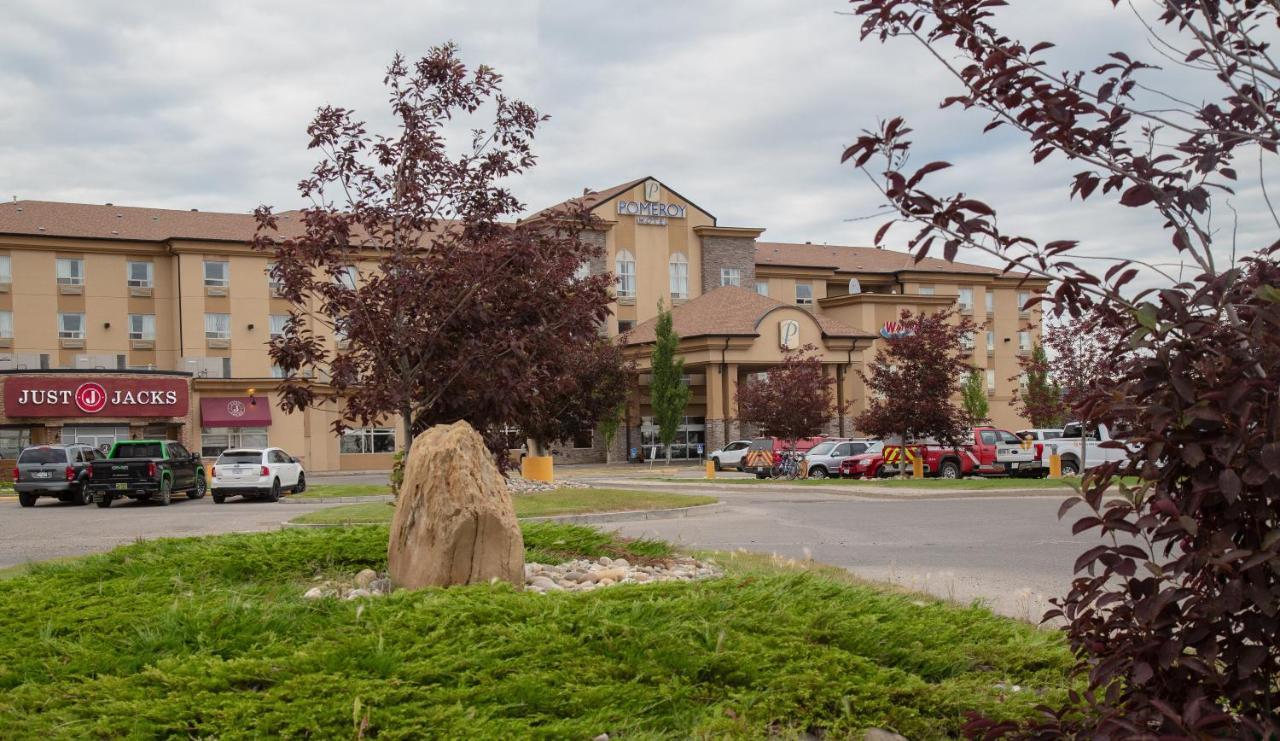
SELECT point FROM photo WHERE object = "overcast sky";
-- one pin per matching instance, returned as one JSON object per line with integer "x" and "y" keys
{"x": 744, "y": 107}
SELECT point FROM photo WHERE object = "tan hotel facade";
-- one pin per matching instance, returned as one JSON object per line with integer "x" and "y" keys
{"x": 119, "y": 322}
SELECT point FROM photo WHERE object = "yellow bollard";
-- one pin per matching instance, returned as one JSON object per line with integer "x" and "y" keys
{"x": 917, "y": 467}
{"x": 537, "y": 468}
{"x": 711, "y": 469}
{"x": 1055, "y": 466}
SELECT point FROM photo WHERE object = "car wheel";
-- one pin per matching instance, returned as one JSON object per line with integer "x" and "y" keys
{"x": 274, "y": 494}
{"x": 1070, "y": 467}
{"x": 27, "y": 500}
{"x": 198, "y": 492}
{"x": 949, "y": 470}
{"x": 817, "y": 472}
{"x": 301, "y": 486}
{"x": 105, "y": 501}
{"x": 166, "y": 493}
{"x": 715, "y": 464}
{"x": 81, "y": 498}
{"x": 219, "y": 498}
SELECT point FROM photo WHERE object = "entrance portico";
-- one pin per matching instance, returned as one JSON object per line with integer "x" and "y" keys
{"x": 728, "y": 335}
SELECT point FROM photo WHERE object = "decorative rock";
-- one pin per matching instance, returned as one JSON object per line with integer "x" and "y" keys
{"x": 880, "y": 734}
{"x": 621, "y": 563}
{"x": 601, "y": 737}
{"x": 542, "y": 582}
{"x": 358, "y": 593}
{"x": 381, "y": 586}
{"x": 614, "y": 574}
{"x": 314, "y": 593}
{"x": 365, "y": 578}
{"x": 640, "y": 576}
{"x": 605, "y": 561}
{"x": 454, "y": 521}
{"x": 605, "y": 582}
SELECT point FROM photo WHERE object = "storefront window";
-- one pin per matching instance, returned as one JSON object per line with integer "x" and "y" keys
{"x": 626, "y": 275}
{"x": 139, "y": 274}
{"x": 583, "y": 439}
{"x": 13, "y": 441}
{"x": 214, "y": 440}
{"x": 690, "y": 440}
{"x": 679, "y": 268}
{"x": 369, "y": 440}
{"x": 101, "y": 437}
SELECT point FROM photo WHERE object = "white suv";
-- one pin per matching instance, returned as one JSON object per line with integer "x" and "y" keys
{"x": 731, "y": 455}
{"x": 254, "y": 472}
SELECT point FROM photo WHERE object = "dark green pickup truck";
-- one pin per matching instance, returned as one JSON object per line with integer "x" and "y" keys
{"x": 147, "y": 470}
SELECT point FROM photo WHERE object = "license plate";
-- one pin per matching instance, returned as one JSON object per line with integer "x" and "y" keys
{"x": 122, "y": 485}
{"x": 40, "y": 475}
{"x": 1013, "y": 465}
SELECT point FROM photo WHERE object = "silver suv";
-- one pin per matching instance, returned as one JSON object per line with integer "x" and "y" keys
{"x": 60, "y": 471}
{"x": 824, "y": 458}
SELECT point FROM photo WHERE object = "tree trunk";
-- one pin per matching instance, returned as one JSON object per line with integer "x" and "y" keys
{"x": 406, "y": 422}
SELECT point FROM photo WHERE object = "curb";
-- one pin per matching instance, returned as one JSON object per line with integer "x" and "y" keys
{"x": 583, "y": 519}
{"x": 339, "y": 500}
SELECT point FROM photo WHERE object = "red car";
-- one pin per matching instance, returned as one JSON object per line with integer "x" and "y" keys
{"x": 991, "y": 452}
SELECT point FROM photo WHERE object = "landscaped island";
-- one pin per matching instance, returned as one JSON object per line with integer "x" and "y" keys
{"x": 211, "y": 636}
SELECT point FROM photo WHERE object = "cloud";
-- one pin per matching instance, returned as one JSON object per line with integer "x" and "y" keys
{"x": 744, "y": 107}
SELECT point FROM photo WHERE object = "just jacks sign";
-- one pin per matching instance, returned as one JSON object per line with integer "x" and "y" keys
{"x": 81, "y": 396}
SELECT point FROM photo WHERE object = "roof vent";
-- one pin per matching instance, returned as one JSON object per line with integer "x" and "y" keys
{"x": 155, "y": 218}
{"x": 195, "y": 209}
{"x": 115, "y": 232}
{"x": 808, "y": 242}
{"x": 40, "y": 228}
{"x": 109, "y": 203}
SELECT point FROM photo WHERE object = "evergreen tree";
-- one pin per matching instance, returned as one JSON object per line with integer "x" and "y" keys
{"x": 1040, "y": 399}
{"x": 973, "y": 395}
{"x": 668, "y": 395}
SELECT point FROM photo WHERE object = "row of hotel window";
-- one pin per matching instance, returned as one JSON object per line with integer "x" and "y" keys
{"x": 71, "y": 326}
{"x": 141, "y": 273}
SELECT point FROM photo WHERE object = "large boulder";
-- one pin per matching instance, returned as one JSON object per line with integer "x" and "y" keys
{"x": 454, "y": 521}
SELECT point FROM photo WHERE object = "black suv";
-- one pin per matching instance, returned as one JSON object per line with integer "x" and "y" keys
{"x": 60, "y": 471}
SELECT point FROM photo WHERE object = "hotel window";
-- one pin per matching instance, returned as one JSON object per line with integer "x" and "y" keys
{"x": 138, "y": 274}
{"x": 991, "y": 341}
{"x": 273, "y": 285}
{"x": 583, "y": 272}
{"x": 348, "y": 276}
{"x": 70, "y": 272}
{"x": 1023, "y": 298}
{"x": 214, "y": 440}
{"x": 804, "y": 294}
{"x": 991, "y": 381}
{"x": 217, "y": 326}
{"x": 276, "y": 324}
{"x": 216, "y": 274}
{"x": 6, "y": 325}
{"x": 6, "y": 269}
{"x": 1024, "y": 341}
{"x": 369, "y": 440}
{"x": 679, "y": 269}
{"x": 966, "y": 299}
{"x": 762, "y": 287}
{"x": 626, "y": 325}
{"x": 626, "y": 265}
{"x": 142, "y": 326}
{"x": 926, "y": 290}
{"x": 966, "y": 341}
{"x": 730, "y": 277}
{"x": 277, "y": 371}
{"x": 71, "y": 326}
{"x": 991, "y": 301}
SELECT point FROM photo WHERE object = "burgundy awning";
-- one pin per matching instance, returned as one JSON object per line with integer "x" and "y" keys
{"x": 235, "y": 411}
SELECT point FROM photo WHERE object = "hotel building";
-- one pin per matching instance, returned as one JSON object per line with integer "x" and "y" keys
{"x": 122, "y": 322}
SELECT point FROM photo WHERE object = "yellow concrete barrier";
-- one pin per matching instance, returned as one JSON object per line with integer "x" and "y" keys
{"x": 711, "y": 469}
{"x": 537, "y": 468}
{"x": 1055, "y": 466}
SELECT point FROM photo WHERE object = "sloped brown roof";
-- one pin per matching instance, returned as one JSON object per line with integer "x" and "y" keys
{"x": 591, "y": 198}
{"x": 730, "y": 311}
{"x": 856, "y": 259}
{"x": 90, "y": 221}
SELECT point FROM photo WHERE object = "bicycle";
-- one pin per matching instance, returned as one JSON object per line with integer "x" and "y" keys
{"x": 786, "y": 465}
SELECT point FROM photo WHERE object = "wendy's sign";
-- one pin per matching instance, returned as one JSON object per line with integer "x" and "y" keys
{"x": 83, "y": 396}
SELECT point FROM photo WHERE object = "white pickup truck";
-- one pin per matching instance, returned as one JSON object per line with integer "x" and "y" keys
{"x": 1078, "y": 452}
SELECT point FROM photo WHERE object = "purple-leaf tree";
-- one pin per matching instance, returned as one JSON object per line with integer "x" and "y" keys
{"x": 794, "y": 400}
{"x": 1175, "y": 614}
{"x": 446, "y": 307}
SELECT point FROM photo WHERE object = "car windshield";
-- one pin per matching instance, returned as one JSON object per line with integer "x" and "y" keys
{"x": 43, "y": 455}
{"x": 138, "y": 450}
{"x": 240, "y": 456}
{"x": 821, "y": 449}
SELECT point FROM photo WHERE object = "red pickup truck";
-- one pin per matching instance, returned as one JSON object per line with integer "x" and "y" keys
{"x": 993, "y": 452}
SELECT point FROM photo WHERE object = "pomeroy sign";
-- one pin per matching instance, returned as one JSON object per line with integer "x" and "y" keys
{"x": 44, "y": 396}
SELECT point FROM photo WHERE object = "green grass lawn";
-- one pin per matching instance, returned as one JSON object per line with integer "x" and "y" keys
{"x": 541, "y": 504}
{"x": 210, "y": 637}
{"x": 320, "y": 491}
